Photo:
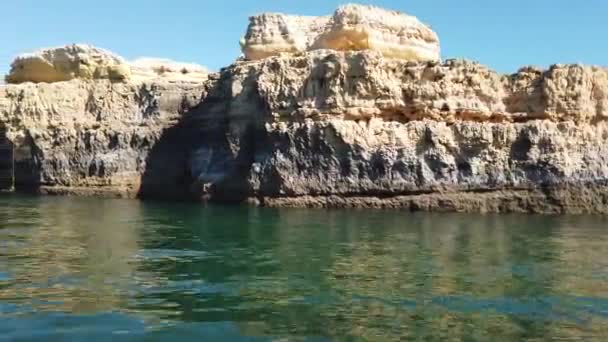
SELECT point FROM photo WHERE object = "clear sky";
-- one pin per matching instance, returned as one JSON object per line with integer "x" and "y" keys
{"x": 504, "y": 34}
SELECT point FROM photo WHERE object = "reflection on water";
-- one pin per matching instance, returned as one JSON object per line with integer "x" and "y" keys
{"x": 125, "y": 270}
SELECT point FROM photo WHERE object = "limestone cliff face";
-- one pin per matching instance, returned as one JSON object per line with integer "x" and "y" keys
{"x": 155, "y": 68}
{"x": 364, "y": 85}
{"x": 91, "y": 137}
{"x": 84, "y": 120}
{"x": 351, "y": 28}
{"x": 353, "y": 110}
{"x": 86, "y": 62}
{"x": 272, "y": 34}
{"x": 358, "y": 129}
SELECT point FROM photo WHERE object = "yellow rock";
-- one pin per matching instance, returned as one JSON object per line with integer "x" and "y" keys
{"x": 351, "y": 28}
{"x": 66, "y": 63}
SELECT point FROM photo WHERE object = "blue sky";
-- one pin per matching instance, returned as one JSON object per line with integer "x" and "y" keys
{"x": 502, "y": 34}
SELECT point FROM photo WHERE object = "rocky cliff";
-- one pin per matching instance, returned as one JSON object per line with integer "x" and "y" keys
{"x": 79, "y": 130}
{"x": 299, "y": 123}
{"x": 357, "y": 129}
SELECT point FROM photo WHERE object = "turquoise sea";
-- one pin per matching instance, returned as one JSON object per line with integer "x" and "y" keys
{"x": 80, "y": 269}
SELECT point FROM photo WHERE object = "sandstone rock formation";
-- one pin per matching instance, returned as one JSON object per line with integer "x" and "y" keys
{"x": 91, "y": 137}
{"x": 66, "y": 63}
{"x": 394, "y": 34}
{"x": 84, "y": 120}
{"x": 153, "y": 68}
{"x": 324, "y": 127}
{"x": 365, "y": 85}
{"x": 86, "y": 62}
{"x": 357, "y": 129}
{"x": 272, "y": 34}
{"x": 351, "y": 28}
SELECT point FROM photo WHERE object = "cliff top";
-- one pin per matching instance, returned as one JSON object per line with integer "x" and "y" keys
{"x": 350, "y": 28}
{"x": 392, "y": 34}
{"x": 84, "y": 61}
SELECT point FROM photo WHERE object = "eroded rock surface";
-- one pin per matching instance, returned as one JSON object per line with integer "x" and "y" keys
{"x": 364, "y": 85}
{"x": 95, "y": 137}
{"x": 357, "y": 129}
{"x": 66, "y": 63}
{"x": 86, "y": 62}
{"x": 322, "y": 128}
{"x": 273, "y": 34}
{"x": 351, "y": 28}
{"x": 155, "y": 68}
{"x": 394, "y": 34}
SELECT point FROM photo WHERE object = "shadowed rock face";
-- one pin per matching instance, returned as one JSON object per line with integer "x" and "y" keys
{"x": 322, "y": 128}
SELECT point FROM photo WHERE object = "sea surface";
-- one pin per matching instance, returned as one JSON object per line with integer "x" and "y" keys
{"x": 79, "y": 269}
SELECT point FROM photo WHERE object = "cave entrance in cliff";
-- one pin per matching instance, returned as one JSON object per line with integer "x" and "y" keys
{"x": 7, "y": 161}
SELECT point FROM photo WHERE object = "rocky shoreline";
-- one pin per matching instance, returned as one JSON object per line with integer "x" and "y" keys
{"x": 343, "y": 111}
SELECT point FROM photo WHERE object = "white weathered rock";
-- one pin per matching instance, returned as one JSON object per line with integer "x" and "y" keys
{"x": 351, "y": 28}
{"x": 81, "y": 61}
{"x": 154, "y": 68}
{"x": 272, "y": 34}
{"x": 66, "y": 63}
{"x": 394, "y": 34}
{"x": 364, "y": 85}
